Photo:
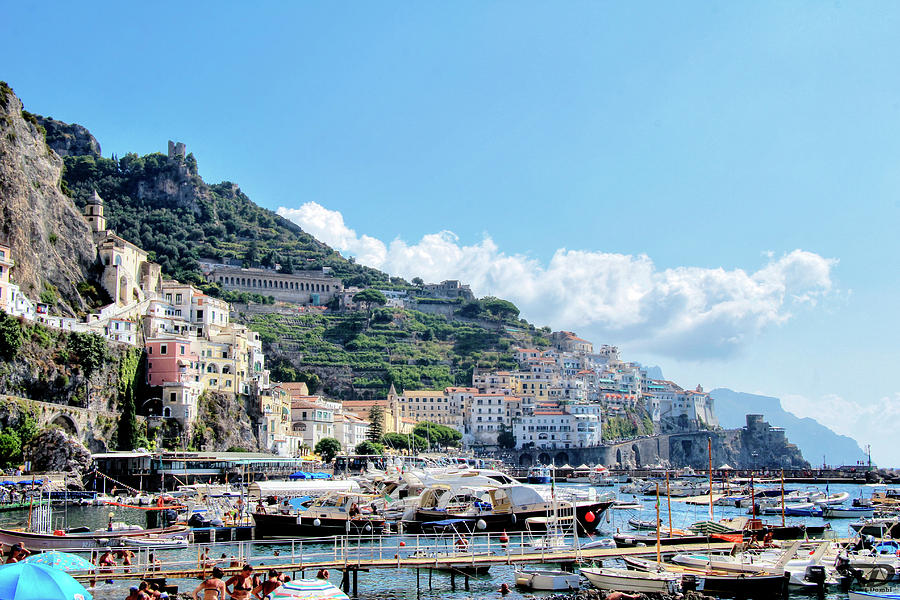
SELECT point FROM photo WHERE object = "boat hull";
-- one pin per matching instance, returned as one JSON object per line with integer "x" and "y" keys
{"x": 556, "y": 581}
{"x": 511, "y": 521}
{"x": 836, "y": 512}
{"x": 621, "y": 580}
{"x": 73, "y": 541}
{"x": 279, "y": 526}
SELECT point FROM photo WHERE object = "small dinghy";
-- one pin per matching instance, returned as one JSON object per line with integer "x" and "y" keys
{"x": 626, "y": 580}
{"x": 547, "y": 579}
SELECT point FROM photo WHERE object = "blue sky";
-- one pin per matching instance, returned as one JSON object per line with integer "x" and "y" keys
{"x": 643, "y": 173}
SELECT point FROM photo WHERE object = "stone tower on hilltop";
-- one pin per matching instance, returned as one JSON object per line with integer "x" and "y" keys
{"x": 176, "y": 149}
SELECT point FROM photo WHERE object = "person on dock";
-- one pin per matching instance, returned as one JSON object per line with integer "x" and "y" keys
{"x": 239, "y": 586}
{"x": 354, "y": 510}
{"x": 126, "y": 556}
{"x": 213, "y": 588}
{"x": 268, "y": 586}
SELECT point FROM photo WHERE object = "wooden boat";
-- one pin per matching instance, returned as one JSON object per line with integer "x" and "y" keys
{"x": 847, "y": 512}
{"x": 625, "y": 580}
{"x": 87, "y": 539}
{"x": 546, "y": 579}
{"x": 720, "y": 583}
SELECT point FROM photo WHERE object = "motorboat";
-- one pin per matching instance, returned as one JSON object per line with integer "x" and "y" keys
{"x": 847, "y": 512}
{"x": 878, "y": 527}
{"x": 336, "y": 513}
{"x": 601, "y": 477}
{"x": 581, "y": 474}
{"x": 546, "y": 579}
{"x": 627, "y": 580}
{"x": 872, "y": 595}
{"x": 832, "y": 499}
{"x": 794, "y": 509}
{"x": 540, "y": 475}
{"x": 497, "y": 508}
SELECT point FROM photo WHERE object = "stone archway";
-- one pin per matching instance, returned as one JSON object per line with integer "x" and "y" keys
{"x": 561, "y": 458}
{"x": 66, "y": 423}
{"x": 637, "y": 455}
{"x": 525, "y": 460}
{"x": 544, "y": 458}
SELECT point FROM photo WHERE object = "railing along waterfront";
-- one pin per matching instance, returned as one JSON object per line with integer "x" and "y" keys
{"x": 361, "y": 552}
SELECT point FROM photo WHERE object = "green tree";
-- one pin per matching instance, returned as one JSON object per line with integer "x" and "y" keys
{"x": 313, "y": 382}
{"x": 251, "y": 254}
{"x": 90, "y": 350}
{"x": 10, "y": 449}
{"x": 437, "y": 435}
{"x": 506, "y": 438}
{"x": 287, "y": 265}
{"x": 10, "y": 336}
{"x": 499, "y": 308}
{"x": 418, "y": 281}
{"x": 376, "y": 424}
{"x": 328, "y": 448}
{"x": 400, "y": 441}
{"x": 369, "y": 298}
{"x": 368, "y": 447}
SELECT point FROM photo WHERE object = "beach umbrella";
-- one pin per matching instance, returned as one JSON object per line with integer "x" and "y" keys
{"x": 725, "y": 467}
{"x": 64, "y": 561}
{"x": 28, "y": 581}
{"x": 582, "y": 467}
{"x": 308, "y": 589}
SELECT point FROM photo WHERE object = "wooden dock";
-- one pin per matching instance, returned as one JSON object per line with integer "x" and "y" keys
{"x": 350, "y": 554}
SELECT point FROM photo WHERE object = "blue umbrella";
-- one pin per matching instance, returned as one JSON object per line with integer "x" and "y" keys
{"x": 63, "y": 561}
{"x": 27, "y": 581}
{"x": 7, "y": 483}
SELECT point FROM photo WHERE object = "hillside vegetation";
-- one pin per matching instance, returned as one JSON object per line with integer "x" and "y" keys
{"x": 358, "y": 357}
{"x": 165, "y": 207}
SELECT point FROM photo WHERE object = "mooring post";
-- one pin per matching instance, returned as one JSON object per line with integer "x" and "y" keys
{"x": 453, "y": 580}
{"x": 356, "y": 583}
{"x": 467, "y": 582}
{"x": 345, "y": 581}
{"x": 430, "y": 573}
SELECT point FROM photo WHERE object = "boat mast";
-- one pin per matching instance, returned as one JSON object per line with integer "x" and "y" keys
{"x": 709, "y": 449}
{"x": 658, "y": 558}
{"x": 782, "y": 497}
{"x": 668, "y": 503}
{"x": 752, "y": 497}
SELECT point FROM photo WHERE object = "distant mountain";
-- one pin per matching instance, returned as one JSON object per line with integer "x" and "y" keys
{"x": 814, "y": 439}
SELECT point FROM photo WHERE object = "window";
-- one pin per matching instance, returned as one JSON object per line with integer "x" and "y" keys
{"x": 163, "y": 349}
{"x": 177, "y": 298}
{"x": 199, "y": 314}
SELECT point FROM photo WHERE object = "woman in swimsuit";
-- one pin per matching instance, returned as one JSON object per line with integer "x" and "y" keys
{"x": 212, "y": 588}
{"x": 242, "y": 582}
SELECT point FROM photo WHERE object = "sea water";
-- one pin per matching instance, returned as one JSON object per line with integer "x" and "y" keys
{"x": 406, "y": 584}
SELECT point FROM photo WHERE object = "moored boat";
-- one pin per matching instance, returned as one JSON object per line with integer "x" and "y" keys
{"x": 547, "y": 579}
{"x": 626, "y": 580}
{"x": 847, "y": 512}
{"x": 62, "y": 540}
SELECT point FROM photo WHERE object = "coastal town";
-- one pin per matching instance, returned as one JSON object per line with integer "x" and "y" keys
{"x": 557, "y": 398}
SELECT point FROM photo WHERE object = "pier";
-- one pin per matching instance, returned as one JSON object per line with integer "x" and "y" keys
{"x": 362, "y": 553}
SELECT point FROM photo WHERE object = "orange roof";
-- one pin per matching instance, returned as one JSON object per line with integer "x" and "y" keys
{"x": 549, "y": 412}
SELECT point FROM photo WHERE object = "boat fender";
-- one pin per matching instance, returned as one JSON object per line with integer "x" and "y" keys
{"x": 61, "y": 532}
{"x": 481, "y": 524}
{"x": 317, "y": 523}
{"x": 513, "y": 518}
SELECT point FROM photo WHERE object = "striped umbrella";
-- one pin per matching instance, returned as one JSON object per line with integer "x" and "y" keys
{"x": 64, "y": 561}
{"x": 308, "y": 589}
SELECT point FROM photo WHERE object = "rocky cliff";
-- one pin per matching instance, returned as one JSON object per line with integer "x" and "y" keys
{"x": 69, "y": 139}
{"x": 49, "y": 240}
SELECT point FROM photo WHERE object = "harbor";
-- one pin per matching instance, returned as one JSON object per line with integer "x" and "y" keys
{"x": 373, "y": 535}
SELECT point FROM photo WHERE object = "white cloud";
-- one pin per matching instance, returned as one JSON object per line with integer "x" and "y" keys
{"x": 685, "y": 312}
{"x": 869, "y": 422}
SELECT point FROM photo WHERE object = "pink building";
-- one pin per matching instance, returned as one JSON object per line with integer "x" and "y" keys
{"x": 171, "y": 360}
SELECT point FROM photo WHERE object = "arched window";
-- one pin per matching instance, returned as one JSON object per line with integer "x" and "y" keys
{"x": 212, "y": 368}
{"x": 167, "y": 412}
